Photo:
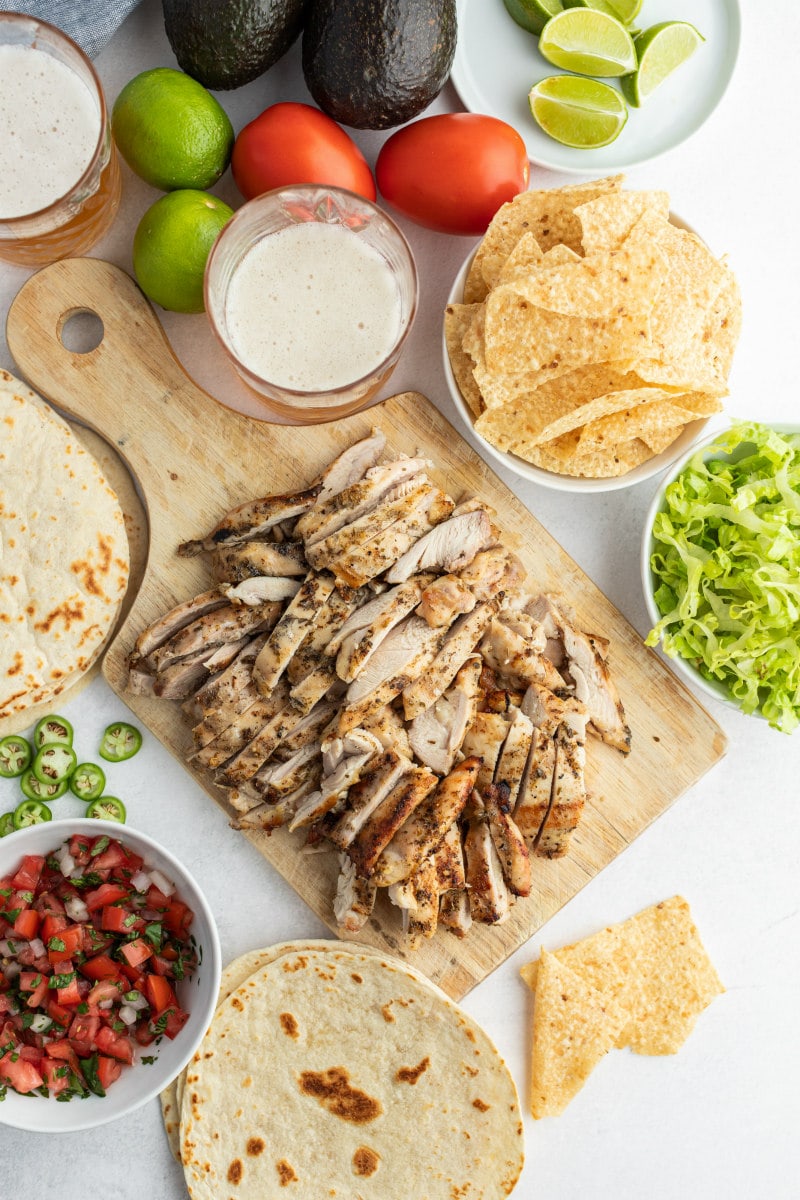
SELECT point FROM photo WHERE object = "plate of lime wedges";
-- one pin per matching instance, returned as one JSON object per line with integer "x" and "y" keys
{"x": 596, "y": 86}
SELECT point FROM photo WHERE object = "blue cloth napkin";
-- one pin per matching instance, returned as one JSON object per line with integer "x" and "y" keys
{"x": 90, "y": 23}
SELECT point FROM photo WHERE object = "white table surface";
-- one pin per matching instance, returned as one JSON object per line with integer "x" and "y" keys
{"x": 719, "y": 1119}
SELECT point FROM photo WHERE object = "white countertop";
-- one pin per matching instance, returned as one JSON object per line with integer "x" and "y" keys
{"x": 720, "y": 1118}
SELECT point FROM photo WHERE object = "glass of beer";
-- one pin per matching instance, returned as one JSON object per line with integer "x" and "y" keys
{"x": 59, "y": 173}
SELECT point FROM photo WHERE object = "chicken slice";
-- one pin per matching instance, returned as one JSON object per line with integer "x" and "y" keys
{"x": 495, "y": 697}
{"x": 376, "y": 782}
{"x": 493, "y": 573}
{"x": 455, "y": 914}
{"x": 354, "y": 900}
{"x": 369, "y": 625}
{"x": 450, "y": 546}
{"x": 242, "y": 729}
{"x": 397, "y": 504}
{"x": 389, "y": 728}
{"x": 437, "y": 734}
{"x": 256, "y": 753}
{"x": 310, "y": 728}
{"x": 228, "y": 624}
{"x": 174, "y": 620}
{"x": 278, "y": 779}
{"x": 224, "y": 689}
{"x": 264, "y": 815}
{"x": 420, "y": 835}
{"x": 370, "y": 559}
{"x": 536, "y": 792}
{"x": 400, "y": 659}
{"x": 383, "y": 822}
{"x": 252, "y": 520}
{"x": 234, "y": 564}
{"x": 458, "y": 645}
{"x": 357, "y": 499}
{"x": 344, "y": 762}
{"x": 448, "y": 859}
{"x": 508, "y": 840}
{"x": 423, "y": 912}
{"x": 260, "y": 589}
{"x": 510, "y": 767}
{"x": 350, "y": 466}
{"x": 180, "y": 680}
{"x": 314, "y": 650}
{"x": 445, "y": 599}
{"x": 484, "y": 739}
{"x": 513, "y": 646}
{"x": 569, "y": 788}
{"x": 298, "y": 617}
{"x": 310, "y": 690}
{"x": 488, "y": 895}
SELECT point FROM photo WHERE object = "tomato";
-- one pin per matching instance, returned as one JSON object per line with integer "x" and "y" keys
{"x": 101, "y": 967}
{"x": 452, "y": 172}
{"x": 30, "y": 870}
{"x": 117, "y": 1047}
{"x": 27, "y": 924}
{"x": 56, "y": 1075}
{"x": 136, "y": 952}
{"x": 159, "y": 993}
{"x": 64, "y": 944}
{"x": 178, "y": 918}
{"x": 21, "y": 1074}
{"x": 295, "y": 143}
{"x": 107, "y": 893}
{"x": 108, "y": 1070}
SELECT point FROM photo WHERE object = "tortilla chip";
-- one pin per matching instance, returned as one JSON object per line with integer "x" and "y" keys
{"x": 526, "y": 255}
{"x": 457, "y": 320}
{"x": 574, "y": 1027}
{"x": 561, "y": 457}
{"x": 692, "y": 284}
{"x": 647, "y": 421}
{"x": 607, "y": 220}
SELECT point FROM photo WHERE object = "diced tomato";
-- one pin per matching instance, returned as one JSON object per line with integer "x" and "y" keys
{"x": 70, "y": 993}
{"x": 121, "y": 920}
{"x": 111, "y": 857}
{"x": 159, "y": 993}
{"x": 108, "y": 1071}
{"x": 27, "y": 923}
{"x": 48, "y": 904}
{"x": 34, "y": 985}
{"x": 107, "y": 989}
{"x": 106, "y": 893}
{"x": 72, "y": 939}
{"x": 117, "y": 1046}
{"x": 52, "y": 926}
{"x": 178, "y": 918}
{"x": 95, "y": 942}
{"x": 156, "y": 898}
{"x": 82, "y": 1033}
{"x": 7, "y": 1003}
{"x": 56, "y": 1075}
{"x": 64, "y": 1051}
{"x": 58, "y": 1013}
{"x": 21, "y": 1074}
{"x": 29, "y": 873}
{"x": 101, "y": 967}
{"x": 80, "y": 849}
{"x": 133, "y": 975}
{"x": 136, "y": 952}
{"x": 176, "y": 1019}
{"x": 144, "y": 1034}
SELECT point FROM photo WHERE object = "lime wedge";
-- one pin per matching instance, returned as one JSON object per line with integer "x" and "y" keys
{"x": 623, "y": 10}
{"x": 660, "y": 49}
{"x": 588, "y": 42}
{"x": 533, "y": 15}
{"x": 578, "y": 112}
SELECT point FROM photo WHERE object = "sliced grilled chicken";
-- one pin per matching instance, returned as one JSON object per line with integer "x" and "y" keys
{"x": 594, "y": 686}
{"x": 228, "y": 624}
{"x": 508, "y": 840}
{"x": 278, "y": 779}
{"x": 344, "y": 761}
{"x": 387, "y": 817}
{"x": 298, "y": 617}
{"x": 437, "y": 734}
{"x": 355, "y": 898}
{"x": 179, "y": 680}
{"x": 484, "y": 739}
{"x": 241, "y": 731}
{"x": 369, "y": 559}
{"x": 234, "y": 564}
{"x": 267, "y": 816}
{"x": 458, "y": 645}
{"x": 370, "y": 625}
{"x": 312, "y": 727}
{"x": 397, "y": 504}
{"x": 543, "y": 610}
{"x": 260, "y": 589}
{"x": 350, "y": 466}
{"x": 314, "y": 650}
{"x": 174, "y": 620}
{"x": 515, "y": 653}
{"x": 357, "y": 499}
{"x": 388, "y": 726}
{"x": 513, "y": 758}
{"x": 569, "y": 787}
{"x": 444, "y": 599}
{"x": 450, "y": 546}
{"x": 494, "y": 696}
{"x": 252, "y": 520}
{"x": 486, "y": 888}
{"x": 455, "y": 914}
{"x": 448, "y": 859}
{"x": 225, "y": 688}
{"x": 310, "y": 690}
{"x": 400, "y": 659}
{"x": 423, "y": 913}
{"x": 376, "y": 782}
{"x": 140, "y": 681}
{"x": 256, "y": 753}
{"x": 536, "y": 792}
{"x": 420, "y": 835}
{"x": 492, "y": 573}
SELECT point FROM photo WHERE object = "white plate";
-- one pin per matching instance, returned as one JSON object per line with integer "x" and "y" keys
{"x": 497, "y": 63}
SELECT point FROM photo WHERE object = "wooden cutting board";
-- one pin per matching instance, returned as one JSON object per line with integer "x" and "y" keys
{"x": 194, "y": 459}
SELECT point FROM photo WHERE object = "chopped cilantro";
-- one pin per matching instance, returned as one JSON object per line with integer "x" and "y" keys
{"x": 56, "y": 943}
{"x": 154, "y": 934}
{"x": 147, "y": 1059}
{"x": 61, "y": 981}
{"x": 100, "y": 845}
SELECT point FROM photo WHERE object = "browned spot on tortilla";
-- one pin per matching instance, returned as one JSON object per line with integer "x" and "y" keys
{"x": 65, "y": 612}
{"x": 255, "y": 1146}
{"x": 470, "y": 1070}
{"x": 236, "y": 1003}
{"x": 285, "y": 1172}
{"x": 333, "y": 1090}
{"x": 357, "y": 978}
{"x": 481, "y": 1105}
{"x": 299, "y": 964}
{"x": 365, "y": 1161}
{"x": 289, "y": 1025}
{"x": 412, "y": 1074}
{"x": 17, "y": 667}
{"x": 470, "y": 1034}
{"x": 388, "y": 1015}
{"x": 247, "y": 1081}
{"x": 235, "y": 1171}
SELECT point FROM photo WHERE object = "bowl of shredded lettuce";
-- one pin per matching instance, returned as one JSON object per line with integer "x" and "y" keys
{"x": 721, "y": 569}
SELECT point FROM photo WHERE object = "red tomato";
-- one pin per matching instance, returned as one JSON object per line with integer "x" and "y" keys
{"x": 22, "y": 1075}
{"x": 452, "y": 172}
{"x": 27, "y": 877}
{"x": 295, "y": 143}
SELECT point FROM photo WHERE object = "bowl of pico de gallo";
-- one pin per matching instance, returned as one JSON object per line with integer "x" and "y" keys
{"x": 109, "y": 972}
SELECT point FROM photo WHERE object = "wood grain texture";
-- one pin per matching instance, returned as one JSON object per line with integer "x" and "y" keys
{"x": 195, "y": 459}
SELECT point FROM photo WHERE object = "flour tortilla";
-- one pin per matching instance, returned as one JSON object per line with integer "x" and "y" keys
{"x": 344, "y": 1074}
{"x": 64, "y": 557}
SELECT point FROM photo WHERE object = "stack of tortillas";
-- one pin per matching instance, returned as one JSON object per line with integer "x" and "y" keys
{"x": 64, "y": 558}
{"x": 337, "y": 1070}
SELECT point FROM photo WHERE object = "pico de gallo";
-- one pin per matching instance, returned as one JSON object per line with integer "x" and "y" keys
{"x": 92, "y": 946}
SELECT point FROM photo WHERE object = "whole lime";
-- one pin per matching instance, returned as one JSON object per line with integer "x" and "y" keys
{"x": 172, "y": 244}
{"x": 171, "y": 131}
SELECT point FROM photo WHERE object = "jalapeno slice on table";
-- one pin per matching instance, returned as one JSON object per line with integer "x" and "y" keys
{"x": 120, "y": 741}
{"x": 6, "y": 824}
{"x": 15, "y": 756}
{"x": 107, "y": 808}
{"x": 54, "y": 762}
{"x": 34, "y": 789}
{"x": 52, "y": 728}
{"x": 87, "y": 781}
{"x": 30, "y": 812}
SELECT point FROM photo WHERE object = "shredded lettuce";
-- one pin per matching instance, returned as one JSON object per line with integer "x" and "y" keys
{"x": 726, "y": 568}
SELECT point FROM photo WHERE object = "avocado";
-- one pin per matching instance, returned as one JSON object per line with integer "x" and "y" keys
{"x": 373, "y": 64}
{"x": 226, "y": 43}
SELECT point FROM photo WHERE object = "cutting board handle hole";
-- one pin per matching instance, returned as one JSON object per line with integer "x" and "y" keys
{"x": 81, "y": 331}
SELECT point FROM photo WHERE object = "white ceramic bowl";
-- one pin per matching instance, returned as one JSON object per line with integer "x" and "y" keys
{"x": 549, "y": 479}
{"x": 198, "y": 995}
{"x": 711, "y": 687}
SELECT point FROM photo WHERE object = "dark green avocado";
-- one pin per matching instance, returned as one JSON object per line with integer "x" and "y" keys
{"x": 226, "y": 43}
{"x": 373, "y": 64}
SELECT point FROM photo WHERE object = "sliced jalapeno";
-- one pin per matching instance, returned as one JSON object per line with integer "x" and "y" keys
{"x": 31, "y": 812}
{"x": 52, "y": 729}
{"x": 120, "y": 741}
{"x": 54, "y": 762}
{"x": 15, "y": 756}
{"x": 6, "y": 824}
{"x": 34, "y": 789}
{"x": 87, "y": 781}
{"x": 107, "y": 808}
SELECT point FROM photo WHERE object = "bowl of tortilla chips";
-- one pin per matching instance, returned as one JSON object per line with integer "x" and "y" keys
{"x": 589, "y": 337}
